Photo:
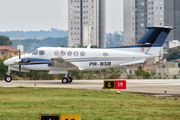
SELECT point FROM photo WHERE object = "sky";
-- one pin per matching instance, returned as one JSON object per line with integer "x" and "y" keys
{"x": 34, "y": 15}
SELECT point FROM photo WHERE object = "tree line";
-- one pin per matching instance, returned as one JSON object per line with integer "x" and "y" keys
{"x": 31, "y": 44}
{"x": 114, "y": 39}
{"x": 36, "y": 34}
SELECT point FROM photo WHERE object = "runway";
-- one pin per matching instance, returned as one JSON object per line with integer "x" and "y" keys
{"x": 172, "y": 86}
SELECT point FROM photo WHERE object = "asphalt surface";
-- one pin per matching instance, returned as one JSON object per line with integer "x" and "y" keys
{"x": 151, "y": 86}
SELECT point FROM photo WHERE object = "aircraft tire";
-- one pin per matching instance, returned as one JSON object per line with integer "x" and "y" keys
{"x": 70, "y": 79}
{"x": 8, "y": 79}
{"x": 64, "y": 80}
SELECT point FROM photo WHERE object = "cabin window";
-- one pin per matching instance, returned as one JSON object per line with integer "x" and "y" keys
{"x": 56, "y": 53}
{"x": 105, "y": 54}
{"x": 76, "y": 53}
{"x": 63, "y": 53}
{"x": 41, "y": 52}
{"x": 82, "y": 53}
{"x": 69, "y": 53}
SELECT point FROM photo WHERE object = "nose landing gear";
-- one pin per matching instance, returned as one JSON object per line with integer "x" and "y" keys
{"x": 8, "y": 77}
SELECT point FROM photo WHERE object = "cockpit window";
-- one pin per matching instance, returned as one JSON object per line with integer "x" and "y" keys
{"x": 41, "y": 52}
{"x": 35, "y": 52}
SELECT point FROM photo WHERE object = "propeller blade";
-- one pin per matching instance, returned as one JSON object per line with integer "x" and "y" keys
{"x": 19, "y": 70}
{"x": 20, "y": 64}
{"x": 19, "y": 54}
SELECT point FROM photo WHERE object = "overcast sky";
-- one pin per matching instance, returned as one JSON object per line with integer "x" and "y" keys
{"x": 36, "y": 15}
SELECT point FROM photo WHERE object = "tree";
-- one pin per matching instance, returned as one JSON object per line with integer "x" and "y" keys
{"x": 62, "y": 46}
{"x": 5, "y": 41}
{"x": 94, "y": 46}
{"x": 174, "y": 55}
{"x": 114, "y": 39}
{"x": 144, "y": 74}
{"x": 3, "y": 69}
{"x": 138, "y": 72}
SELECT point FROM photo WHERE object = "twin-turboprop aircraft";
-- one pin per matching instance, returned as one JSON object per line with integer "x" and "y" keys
{"x": 60, "y": 60}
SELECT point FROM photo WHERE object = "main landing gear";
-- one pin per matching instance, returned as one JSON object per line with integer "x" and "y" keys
{"x": 8, "y": 77}
{"x": 66, "y": 79}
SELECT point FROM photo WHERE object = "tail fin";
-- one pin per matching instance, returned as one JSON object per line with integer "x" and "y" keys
{"x": 151, "y": 42}
{"x": 155, "y": 37}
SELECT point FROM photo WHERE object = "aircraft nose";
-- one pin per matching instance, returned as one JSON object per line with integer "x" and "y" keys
{"x": 10, "y": 61}
{"x": 6, "y": 62}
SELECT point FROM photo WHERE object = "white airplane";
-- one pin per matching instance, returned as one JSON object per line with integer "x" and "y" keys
{"x": 60, "y": 60}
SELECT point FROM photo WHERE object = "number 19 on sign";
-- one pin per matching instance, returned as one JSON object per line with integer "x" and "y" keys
{"x": 120, "y": 84}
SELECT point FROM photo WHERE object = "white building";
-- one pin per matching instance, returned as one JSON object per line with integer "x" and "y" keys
{"x": 138, "y": 14}
{"x": 87, "y": 12}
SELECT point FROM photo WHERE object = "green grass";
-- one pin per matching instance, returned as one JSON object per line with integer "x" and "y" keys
{"x": 27, "y": 103}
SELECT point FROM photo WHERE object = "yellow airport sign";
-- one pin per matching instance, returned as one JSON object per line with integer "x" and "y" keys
{"x": 59, "y": 117}
{"x": 70, "y": 117}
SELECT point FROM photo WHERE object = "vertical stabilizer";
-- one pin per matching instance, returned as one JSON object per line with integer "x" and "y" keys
{"x": 151, "y": 42}
{"x": 157, "y": 38}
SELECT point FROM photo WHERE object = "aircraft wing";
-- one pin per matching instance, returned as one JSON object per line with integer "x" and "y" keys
{"x": 62, "y": 63}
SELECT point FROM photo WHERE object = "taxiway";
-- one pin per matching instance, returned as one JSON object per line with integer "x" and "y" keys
{"x": 172, "y": 86}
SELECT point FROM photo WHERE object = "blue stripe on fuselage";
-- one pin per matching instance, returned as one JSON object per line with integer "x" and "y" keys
{"x": 35, "y": 60}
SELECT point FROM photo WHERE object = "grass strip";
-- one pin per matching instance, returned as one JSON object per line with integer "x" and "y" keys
{"x": 23, "y": 103}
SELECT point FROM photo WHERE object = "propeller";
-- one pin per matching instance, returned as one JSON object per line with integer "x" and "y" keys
{"x": 19, "y": 63}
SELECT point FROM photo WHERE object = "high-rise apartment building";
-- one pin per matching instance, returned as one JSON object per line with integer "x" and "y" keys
{"x": 138, "y": 14}
{"x": 87, "y": 22}
{"x": 172, "y": 18}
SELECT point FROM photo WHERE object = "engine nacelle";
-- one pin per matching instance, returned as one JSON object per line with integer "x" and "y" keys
{"x": 17, "y": 69}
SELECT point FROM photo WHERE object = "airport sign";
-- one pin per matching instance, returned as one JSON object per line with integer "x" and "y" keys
{"x": 120, "y": 84}
{"x": 109, "y": 84}
{"x": 59, "y": 117}
{"x": 114, "y": 84}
